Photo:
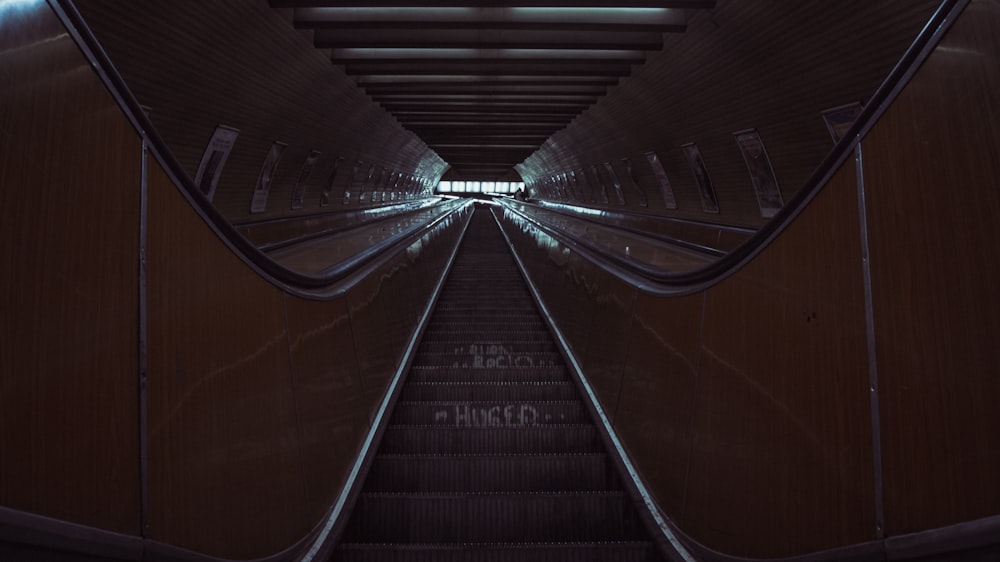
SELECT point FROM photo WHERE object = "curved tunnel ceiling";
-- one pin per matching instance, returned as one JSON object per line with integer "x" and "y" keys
{"x": 484, "y": 84}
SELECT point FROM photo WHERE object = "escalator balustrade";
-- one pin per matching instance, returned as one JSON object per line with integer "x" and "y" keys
{"x": 490, "y": 453}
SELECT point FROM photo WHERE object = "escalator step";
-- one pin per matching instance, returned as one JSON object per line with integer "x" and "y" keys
{"x": 467, "y": 337}
{"x": 524, "y": 322}
{"x": 430, "y": 373}
{"x": 490, "y": 473}
{"x": 448, "y": 391}
{"x": 489, "y": 453}
{"x": 516, "y": 552}
{"x": 490, "y": 347}
{"x": 509, "y": 360}
{"x": 557, "y": 439}
{"x": 465, "y": 318}
{"x": 491, "y": 413}
{"x": 499, "y": 517}
{"x": 494, "y": 308}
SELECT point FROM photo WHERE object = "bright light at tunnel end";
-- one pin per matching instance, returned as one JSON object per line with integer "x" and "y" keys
{"x": 17, "y": 5}
{"x": 487, "y": 187}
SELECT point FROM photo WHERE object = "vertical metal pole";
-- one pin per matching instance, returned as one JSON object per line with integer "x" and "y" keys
{"x": 873, "y": 394}
{"x": 143, "y": 366}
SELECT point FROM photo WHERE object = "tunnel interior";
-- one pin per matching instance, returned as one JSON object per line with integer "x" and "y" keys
{"x": 518, "y": 279}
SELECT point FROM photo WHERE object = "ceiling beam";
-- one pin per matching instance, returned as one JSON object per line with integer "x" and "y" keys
{"x": 685, "y": 4}
{"x": 484, "y": 56}
{"x": 410, "y": 38}
{"x": 492, "y": 146}
{"x": 484, "y": 81}
{"x": 487, "y": 68}
{"x": 490, "y": 155}
{"x": 470, "y": 172}
{"x": 489, "y": 119}
{"x": 480, "y": 109}
{"x": 473, "y": 139}
{"x": 428, "y": 89}
{"x": 505, "y": 18}
{"x": 480, "y": 127}
{"x": 503, "y": 99}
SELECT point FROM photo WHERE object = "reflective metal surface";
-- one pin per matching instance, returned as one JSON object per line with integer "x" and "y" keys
{"x": 727, "y": 424}
{"x": 319, "y": 255}
{"x": 651, "y": 254}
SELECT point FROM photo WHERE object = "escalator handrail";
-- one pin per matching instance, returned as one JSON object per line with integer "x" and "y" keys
{"x": 292, "y": 281}
{"x": 657, "y": 281}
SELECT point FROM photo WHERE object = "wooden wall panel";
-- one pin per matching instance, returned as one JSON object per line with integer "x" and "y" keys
{"x": 568, "y": 285}
{"x": 377, "y": 334}
{"x": 773, "y": 66}
{"x": 240, "y": 63}
{"x": 608, "y": 341}
{"x": 225, "y": 472}
{"x": 745, "y": 408}
{"x": 782, "y": 457}
{"x": 932, "y": 167}
{"x": 333, "y": 417}
{"x": 655, "y": 411}
{"x": 69, "y": 192}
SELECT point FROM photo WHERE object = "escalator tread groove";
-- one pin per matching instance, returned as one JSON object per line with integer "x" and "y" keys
{"x": 490, "y": 454}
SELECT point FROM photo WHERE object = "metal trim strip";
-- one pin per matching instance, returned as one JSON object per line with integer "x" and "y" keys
{"x": 677, "y": 552}
{"x": 873, "y": 389}
{"x": 286, "y": 279}
{"x": 951, "y": 540}
{"x": 143, "y": 328}
{"x": 333, "y": 524}
{"x": 918, "y": 51}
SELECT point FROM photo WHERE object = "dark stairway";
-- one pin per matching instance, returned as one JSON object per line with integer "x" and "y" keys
{"x": 490, "y": 454}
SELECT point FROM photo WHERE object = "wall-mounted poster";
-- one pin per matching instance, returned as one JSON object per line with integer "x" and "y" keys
{"x": 366, "y": 184}
{"x": 299, "y": 191}
{"x": 569, "y": 186}
{"x": 586, "y": 190}
{"x": 380, "y": 186}
{"x": 392, "y": 184}
{"x": 630, "y": 171}
{"x": 599, "y": 184}
{"x": 669, "y": 201}
{"x": 615, "y": 182}
{"x": 567, "y": 189}
{"x": 761, "y": 172}
{"x": 324, "y": 198}
{"x": 260, "y": 193}
{"x": 839, "y": 119}
{"x": 214, "y": 158}
{"x": 354, "y": 182}
{"x": 577, "y": 188}
{"x": 709, "y": 202}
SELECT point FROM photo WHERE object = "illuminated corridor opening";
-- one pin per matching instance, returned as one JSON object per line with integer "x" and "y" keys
{"x": 498, "y": 187}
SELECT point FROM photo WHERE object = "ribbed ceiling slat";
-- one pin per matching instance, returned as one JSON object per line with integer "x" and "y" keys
{"x": 486, "y": 83}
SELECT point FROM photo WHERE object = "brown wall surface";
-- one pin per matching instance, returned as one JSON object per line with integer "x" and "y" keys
{"x": 747, "y": 407}
{"x": 256, "y": 400}
{"x": 259, "y": 400}
{"x": 932, "y": 171}
{"x": 69, "y": 283}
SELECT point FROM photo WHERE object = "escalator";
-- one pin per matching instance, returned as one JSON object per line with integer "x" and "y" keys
{"x": 490, "y": 454}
